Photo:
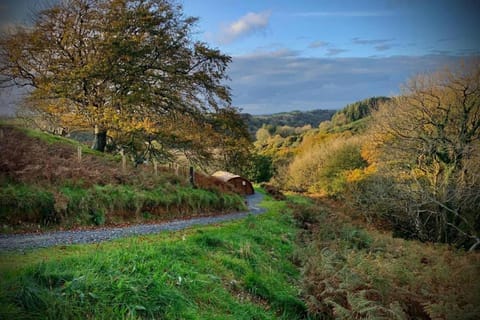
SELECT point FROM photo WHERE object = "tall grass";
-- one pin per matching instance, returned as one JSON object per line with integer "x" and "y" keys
{"x": 22, "y": 203}
{"x": 239, "y": 270}
{"x": 72, "y": 204}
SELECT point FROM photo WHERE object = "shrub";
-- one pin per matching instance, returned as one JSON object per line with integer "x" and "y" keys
{"x": 99, "y": 204}
{"x": 324, "y": 167}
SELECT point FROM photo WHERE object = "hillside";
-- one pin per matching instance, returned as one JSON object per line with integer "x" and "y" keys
{"x": 358, "y": 110}
{"x": 299, "y": 260}
{"x": 411, "y": 162}
{"x": 291, "y": 119}
{"x": 281, "y": 143}
{"x": 44, "y": 183}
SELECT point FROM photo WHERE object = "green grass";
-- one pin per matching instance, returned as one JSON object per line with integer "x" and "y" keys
{"x": 71, "y": 204}
{"x": 238, "y": 270}
{"x": 55, "y": 139}
{"x": 355, "y": 126}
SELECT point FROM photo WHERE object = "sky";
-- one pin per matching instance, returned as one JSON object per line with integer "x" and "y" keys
{"x": 317, "y": 54}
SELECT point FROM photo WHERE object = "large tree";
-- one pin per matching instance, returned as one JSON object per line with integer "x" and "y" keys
{"x": 430, "y": 136}
{"x": 124, "y": 67}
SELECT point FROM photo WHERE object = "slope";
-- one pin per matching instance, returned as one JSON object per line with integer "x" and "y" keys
{"x": 44, "y": 183}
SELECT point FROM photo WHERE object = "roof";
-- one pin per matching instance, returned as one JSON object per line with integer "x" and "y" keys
{"x": 225, "y": 176}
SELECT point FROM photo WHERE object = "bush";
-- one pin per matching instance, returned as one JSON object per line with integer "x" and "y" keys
{"x": 324, "y": 167}
{"x": 75, "y": 205}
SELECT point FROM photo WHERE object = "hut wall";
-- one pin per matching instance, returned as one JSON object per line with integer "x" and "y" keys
{"x": 241, "y": 185}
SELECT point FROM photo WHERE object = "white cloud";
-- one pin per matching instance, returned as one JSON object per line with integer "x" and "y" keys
{"x": 378, "y": 44}
{"x": 383, "y": 47}
{"x": 370, "y": 41}
{"x": 318, "y": 44}
{"x": 248, "y": 24}
{"x": 271, "y": 53}
{"x": 335, "y": 51}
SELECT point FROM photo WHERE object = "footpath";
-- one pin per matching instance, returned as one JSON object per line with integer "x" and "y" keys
{"x": 20, "y": 242}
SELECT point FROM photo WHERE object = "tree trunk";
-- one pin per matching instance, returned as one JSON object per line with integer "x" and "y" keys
{"x": 100, "y": 140}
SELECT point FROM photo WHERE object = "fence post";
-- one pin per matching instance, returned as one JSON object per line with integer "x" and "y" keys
{"x": 79, "y": 153}
{"x": 155, "y": 167}
{"x": 124, "y": 161}
{"x": 192, "y": 177}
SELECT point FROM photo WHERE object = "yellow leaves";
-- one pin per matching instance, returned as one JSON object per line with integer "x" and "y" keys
{"x": 354, "y": 175}
{"x": 370, "y": 149}
{"x": 357, "y": 175}
{"x": 55, "y": 109}
{"x": 73, "y": 120}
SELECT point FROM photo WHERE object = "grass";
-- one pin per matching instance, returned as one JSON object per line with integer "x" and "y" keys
{"x": 300, "y": 260}
{"x": 26, "y": 206}
{"x": 53, "y": 139}
{"x": 239, "y": 270}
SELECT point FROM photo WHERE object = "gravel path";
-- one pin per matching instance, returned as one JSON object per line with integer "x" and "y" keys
{"x": 29, "y": 241}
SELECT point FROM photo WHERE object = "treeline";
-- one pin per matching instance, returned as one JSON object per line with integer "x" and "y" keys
{"x": 358, "y": 110}
{"x": 412, "y": 161}
{"x": 290, "y": 119}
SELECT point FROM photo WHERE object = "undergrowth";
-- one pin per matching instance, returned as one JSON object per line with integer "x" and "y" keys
{"x": 240, "y": 270}
{"x": 45, "y": 184}
{"x": 350, "y": 272}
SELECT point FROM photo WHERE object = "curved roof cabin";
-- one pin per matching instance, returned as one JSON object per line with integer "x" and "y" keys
{"x": 240, "y": 184}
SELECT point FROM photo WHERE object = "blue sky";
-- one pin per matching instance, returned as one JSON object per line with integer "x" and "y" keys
{"x": 303, "y": 55}
{"x": 340, "y": 28}
{"x": 307, "y": 54}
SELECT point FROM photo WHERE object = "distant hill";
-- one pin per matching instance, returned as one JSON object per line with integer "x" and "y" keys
{"x": 292, "y": 119}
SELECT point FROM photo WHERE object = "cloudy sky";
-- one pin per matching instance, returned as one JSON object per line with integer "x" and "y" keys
{"x": 319, "y": 54}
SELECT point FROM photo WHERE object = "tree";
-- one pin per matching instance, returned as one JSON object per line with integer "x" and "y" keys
{"x": 260, "y": 168}
{"x": 115, "y": 65}
{"x": 358, "y": 110}
{"x": 431, "y": 140}
{"x": 231, "y": 140}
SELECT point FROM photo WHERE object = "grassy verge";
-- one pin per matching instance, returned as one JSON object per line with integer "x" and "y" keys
{"x": 26, "y": 206}
{"x": 351, "y": 272}
{"x": 239, "y": 270}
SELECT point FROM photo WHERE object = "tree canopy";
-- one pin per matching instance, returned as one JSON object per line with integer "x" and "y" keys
{"x": 128, "y": 68}
{"x": 430, "y": 142}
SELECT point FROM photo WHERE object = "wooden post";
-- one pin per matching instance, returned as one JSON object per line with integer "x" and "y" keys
{"x": 124, "y": 161}
{"x": 1, "y": 134}
{"x": 155, "y": 167}
{"x": 79, "y": 153}
{"x": 192, "y": 177}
